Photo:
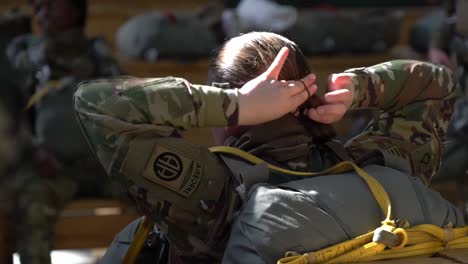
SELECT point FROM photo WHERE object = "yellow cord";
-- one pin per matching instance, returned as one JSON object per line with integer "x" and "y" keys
{"x": 377, "y": 190}
{"x": 138, "y": 241}
{"x": 415, "y": 241}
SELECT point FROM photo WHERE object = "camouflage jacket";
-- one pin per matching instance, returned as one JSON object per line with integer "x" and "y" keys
{"x": 133, "y": 126}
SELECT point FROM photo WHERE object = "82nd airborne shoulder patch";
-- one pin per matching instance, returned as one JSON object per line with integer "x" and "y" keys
{"x": 173, "y": 170}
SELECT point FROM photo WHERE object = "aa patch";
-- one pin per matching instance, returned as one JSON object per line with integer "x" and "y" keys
{"x": 173, "y": 170}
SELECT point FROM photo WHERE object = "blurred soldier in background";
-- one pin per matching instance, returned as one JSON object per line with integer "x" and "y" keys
{"x": 450, "y": 47}
{"x": 50, "y": 66}
{"x": 12, "y": 24}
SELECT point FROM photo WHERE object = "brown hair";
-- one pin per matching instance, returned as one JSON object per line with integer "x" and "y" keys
{"x": 245, "y": 57}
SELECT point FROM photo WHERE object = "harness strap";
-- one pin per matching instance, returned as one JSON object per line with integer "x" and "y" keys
{"x": 138, "y": 242}
{"x": 338, "y": 148}
{"x": 41, "y": 93}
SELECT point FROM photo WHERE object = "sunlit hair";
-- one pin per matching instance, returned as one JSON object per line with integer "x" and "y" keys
{"x": 243, "y": 58}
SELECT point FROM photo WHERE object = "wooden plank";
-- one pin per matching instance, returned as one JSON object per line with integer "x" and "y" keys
{"x": 83, "y": 224}
{"x": 91, "y": 223}
{"x": 415, "y": 260}
{"x": 457, "y": 255}
{"x": 94, "y": 203}
{"x": 89, "y": 231}
{"x": 449, "y": 256}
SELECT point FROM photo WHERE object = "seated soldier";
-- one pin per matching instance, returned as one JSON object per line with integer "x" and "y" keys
{"x": 193, "y": 195}
{"x": 51, "y": 65}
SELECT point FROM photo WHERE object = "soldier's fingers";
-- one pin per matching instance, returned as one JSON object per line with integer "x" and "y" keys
{"x": 306, "y": 83}
{"x": 331, "y": 109}
{"x": 300, "y": 97}
{"x": 326, "y": 119}
{"x": 275, "y": 68}
{"x": 342, "y": 95}
{"x": 309, "y": 79}
{"x": 339, "y": 81}
{"x": 296, "y": 87}
{"x": 312, "y": 114}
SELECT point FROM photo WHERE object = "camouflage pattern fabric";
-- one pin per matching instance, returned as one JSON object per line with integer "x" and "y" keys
{"x": 60, "y": 166}
{"x": 416, "y": 100}
{"x": 133, "y": 125}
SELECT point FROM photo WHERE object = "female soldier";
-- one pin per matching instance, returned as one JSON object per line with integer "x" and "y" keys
{"x": 133, "y": 127}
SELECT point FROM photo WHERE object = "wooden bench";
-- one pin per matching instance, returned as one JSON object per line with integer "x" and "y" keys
{"x": 83, "y": 224}
{"x": 445, "y": 257}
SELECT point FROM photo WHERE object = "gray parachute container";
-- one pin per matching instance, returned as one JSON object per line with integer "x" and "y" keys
{"x": 153, "y": 35}
{"x": 315, "y": 213}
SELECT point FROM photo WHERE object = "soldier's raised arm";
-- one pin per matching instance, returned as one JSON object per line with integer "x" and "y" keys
{"x": 416, "y": 102}
{"x": 117, "y": 115}
{"x": 393, "y": 85}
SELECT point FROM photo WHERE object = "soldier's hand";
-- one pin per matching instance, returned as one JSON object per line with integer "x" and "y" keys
{"x": 266, "y": 98}
{"x": 337, "y": 100}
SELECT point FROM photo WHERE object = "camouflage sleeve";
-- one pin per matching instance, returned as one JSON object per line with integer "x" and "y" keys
{"x": 416, "y": 103}
{"x": 119, "y": 113}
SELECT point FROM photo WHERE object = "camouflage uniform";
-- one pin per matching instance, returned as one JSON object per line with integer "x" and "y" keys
{"x": 61, "y": 165}
{"x": 133, "y": 127}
